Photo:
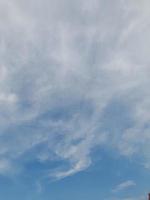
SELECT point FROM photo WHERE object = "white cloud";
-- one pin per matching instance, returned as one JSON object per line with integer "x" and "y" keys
{"x": 125, "y": 185}
{"x": 73, "y": 58}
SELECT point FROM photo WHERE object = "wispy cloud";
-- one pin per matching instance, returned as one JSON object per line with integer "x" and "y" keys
{"x": 63, "y": 64}
{"x": 124, "y": 185}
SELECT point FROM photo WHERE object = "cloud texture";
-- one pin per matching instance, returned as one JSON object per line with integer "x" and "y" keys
{"x": 124, "y": 185}
{"x": 74, "y": 75}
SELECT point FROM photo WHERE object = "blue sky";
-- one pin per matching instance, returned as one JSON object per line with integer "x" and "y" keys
{"x": 74, "y": 99}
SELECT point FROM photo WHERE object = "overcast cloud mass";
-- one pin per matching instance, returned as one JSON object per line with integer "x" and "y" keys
{"x": 74, "y": 77}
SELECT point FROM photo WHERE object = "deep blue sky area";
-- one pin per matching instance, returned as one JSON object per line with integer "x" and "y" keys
{"x": 97, "y": 182}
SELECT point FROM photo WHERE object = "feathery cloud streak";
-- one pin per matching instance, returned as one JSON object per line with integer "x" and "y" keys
{"x": 63, "y": 66}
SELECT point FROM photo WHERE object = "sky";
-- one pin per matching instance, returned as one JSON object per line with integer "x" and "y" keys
{"x": 74, "y": 99}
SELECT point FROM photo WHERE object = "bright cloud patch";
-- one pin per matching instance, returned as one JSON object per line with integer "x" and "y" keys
{"x": 73, "y": 76}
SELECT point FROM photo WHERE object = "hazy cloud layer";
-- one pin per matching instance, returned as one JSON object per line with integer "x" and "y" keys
{"x": 73, "y": 76}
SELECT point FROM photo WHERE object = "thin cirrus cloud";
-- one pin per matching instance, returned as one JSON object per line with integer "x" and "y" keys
{"x": 63, "y": 66}
{"x": 124, "y": 185}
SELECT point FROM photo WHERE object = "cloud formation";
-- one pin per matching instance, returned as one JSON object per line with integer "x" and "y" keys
{"x": 73, "y": 76}
{"x": 124, "y": 185}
